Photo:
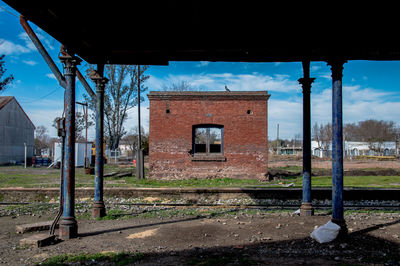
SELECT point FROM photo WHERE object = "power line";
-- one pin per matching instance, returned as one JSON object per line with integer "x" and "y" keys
{"x": 42, "y": 97}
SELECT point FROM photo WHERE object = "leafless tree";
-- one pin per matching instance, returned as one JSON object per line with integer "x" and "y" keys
{"x": 131, "y": 139}
{"x": 374, "y": 132}
{"x": 80, "y": 125}
{"x": 181, "y": 86}
{"x": 323, "y": 135}
{"x": 42, "y": 139}
{"x": 120, "y": 96}
{"x": 6, "y": 80}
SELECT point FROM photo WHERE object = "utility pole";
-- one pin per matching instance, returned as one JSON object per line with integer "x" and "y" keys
{"x": 25, "y": 153}
{"x": 277, "y": 141}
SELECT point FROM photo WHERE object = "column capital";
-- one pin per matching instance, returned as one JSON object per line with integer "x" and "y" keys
{"x": 70, "y": 63}
{"x": 306, "y": 83}
{"x": 336, "y": 67}
{"x": 99, "y": 80}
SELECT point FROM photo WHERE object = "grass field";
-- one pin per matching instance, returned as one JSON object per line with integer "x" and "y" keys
{"x": 17, "y": 176}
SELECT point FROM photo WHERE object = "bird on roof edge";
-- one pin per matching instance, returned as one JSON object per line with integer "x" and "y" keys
{"x": 226, "y": 88}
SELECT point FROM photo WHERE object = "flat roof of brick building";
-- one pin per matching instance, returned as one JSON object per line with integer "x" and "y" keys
{"x": 187, "y": 95}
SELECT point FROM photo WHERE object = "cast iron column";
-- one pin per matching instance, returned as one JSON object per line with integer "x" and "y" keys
{"x": 68, "y": 225}
{"x": 139, "y": 152}
{"x": 306, "y": 208}
{"x": 99, "y": 209}
{"x": 337, "y": 144}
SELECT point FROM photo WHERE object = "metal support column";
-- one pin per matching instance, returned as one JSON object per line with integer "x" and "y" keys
{"x": 68, "y": 224}
{"x": 306, "y": 208}
{"x": 337, "y": 144}
{"x": 139, "y": 151}
{"x": 99, "y": 209}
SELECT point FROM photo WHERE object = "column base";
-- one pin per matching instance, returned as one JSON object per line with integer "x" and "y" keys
{"x": 306, "y": 209}
{"x": 68, "y": 228}
{"x": 98, "y": 210}
{"x": 343, "y": 228}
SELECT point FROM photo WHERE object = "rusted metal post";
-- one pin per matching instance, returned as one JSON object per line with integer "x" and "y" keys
{"x": 139, "y": 152}
{"x": 306, "y": 208}
{"x": 337, "y": 144}
{"x": 39, "y": 46}
{"x": 68, "y": 224}
{"x": 99, "y": 209}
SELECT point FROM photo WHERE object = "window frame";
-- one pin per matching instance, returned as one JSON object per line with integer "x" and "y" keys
{"x": 207, "y": 127}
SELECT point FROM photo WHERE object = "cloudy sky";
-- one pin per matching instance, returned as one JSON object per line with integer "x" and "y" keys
{"x": 371, "y": 89}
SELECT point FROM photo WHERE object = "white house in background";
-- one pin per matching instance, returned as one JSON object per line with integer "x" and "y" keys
{"x": 356, "y": 148}
{"x": 79, "y": 153}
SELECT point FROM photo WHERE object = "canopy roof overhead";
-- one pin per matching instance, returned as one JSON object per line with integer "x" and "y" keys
{"x": 155, "y": 32}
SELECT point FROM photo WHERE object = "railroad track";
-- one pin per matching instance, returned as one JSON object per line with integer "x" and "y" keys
{"x": 242, "y": 206}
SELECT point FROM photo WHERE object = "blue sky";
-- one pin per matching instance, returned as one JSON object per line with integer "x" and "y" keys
{"x": 370, "y": 88}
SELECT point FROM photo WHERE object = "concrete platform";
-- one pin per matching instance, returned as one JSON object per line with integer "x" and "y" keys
{"x": 40, "y": 226}
{"x": 37, "y": 240}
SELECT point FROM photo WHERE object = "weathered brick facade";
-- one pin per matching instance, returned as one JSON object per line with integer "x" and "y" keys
{"x": 208, "y": 134}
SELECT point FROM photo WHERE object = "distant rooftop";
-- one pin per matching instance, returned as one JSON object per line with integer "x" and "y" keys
{"x": 4, "y": 100}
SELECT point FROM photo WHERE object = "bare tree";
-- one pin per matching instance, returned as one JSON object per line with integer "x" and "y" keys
{"x": 323, "y": 135}
{"x": 120, "y": 96}
{"x": 42, "y": 139}
{"x": 6, "y": 80}
{"x": 80, "y": 125}
{"x": 181, "y": 86}
{"x": 131, "y": 139}
{"x": 375, "y": 132}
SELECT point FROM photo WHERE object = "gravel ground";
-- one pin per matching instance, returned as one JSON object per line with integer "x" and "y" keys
{"x": 208, "y": 236}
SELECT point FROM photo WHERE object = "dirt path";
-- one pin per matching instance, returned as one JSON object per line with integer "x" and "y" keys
{"x": 244, "y": 237}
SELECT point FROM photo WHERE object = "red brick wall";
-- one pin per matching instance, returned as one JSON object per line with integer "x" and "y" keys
{"x": 245, "y": 136}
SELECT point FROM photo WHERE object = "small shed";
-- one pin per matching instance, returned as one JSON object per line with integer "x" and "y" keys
{"x": 16, "y": 131}
{"x": 79, "y": 152}
{"x": 208, "y": 134}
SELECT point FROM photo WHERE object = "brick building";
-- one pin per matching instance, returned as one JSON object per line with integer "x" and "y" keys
{"x": 208, "y": 134}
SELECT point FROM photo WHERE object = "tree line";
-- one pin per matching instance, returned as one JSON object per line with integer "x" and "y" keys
{"x": 372, "y": 131}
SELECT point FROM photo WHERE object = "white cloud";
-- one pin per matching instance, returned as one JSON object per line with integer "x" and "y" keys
{"x": 288, "y": 114}
{"x": 358, "y": 104}
{"x": 132, "y": 120}
{"x": 30, "y": 62}
{"x": 51, "y": 76}
{"x": 9, "y": 48}
{"x": 315, "y": 68}
{"x": 202, "y": 64}
{"x": 241, "y": 82}
{"x": 29, "y": 44}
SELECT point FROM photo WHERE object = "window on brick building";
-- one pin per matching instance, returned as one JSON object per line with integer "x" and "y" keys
{"x": 208, "y": 139}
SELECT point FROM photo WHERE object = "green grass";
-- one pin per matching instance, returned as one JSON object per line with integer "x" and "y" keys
{"x": 17, "y": 176}
{"x": 352, "y": 181}
{"x": 121, "y": 258}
